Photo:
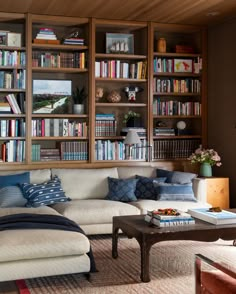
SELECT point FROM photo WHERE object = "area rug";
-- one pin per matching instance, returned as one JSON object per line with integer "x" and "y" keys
{"x": 171, "y": 269}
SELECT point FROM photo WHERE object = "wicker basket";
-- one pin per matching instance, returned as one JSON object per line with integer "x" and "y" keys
{"x": 114, "y": 97}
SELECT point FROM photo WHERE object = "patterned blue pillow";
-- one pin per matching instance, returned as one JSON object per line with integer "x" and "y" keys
{"x": 121, "y": 189}
{"x": 174, "y": 192}
{"x": 14, "y": 180}
{"x": 176, "y": 177}
{"x": 145, "y": 188}
{"x": 47, "y": 193}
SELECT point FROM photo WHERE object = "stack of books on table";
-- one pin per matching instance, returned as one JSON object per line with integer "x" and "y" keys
{"x": 161, "y": 218}
{"x": 46, "y": 35}
{"x": 222, "y": 217}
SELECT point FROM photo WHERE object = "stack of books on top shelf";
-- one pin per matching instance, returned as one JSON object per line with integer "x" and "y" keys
{"x": 168, "y": 217}
{"x": 73, "y": 41}
{"x": 46, "y": 36}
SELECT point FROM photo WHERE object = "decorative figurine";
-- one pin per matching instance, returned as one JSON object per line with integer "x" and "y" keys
{"x": 131, "y": 91}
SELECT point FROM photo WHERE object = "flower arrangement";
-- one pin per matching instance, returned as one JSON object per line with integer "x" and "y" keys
{"x": 202, "y": 155}
{"x": 130, "y": 114}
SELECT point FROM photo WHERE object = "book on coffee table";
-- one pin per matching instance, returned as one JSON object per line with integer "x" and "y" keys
{"x": 217, "y": 218}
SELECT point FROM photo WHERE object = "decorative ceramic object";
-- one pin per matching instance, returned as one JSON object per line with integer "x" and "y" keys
{"x": 205, "y": 170}
{"x": 99, "y": 93}
{"x": 78, "y": 108}
{"x": 114, "y": 97}
{"x": 161, "y": 45}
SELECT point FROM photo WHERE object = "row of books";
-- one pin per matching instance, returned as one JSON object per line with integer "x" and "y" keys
{"x": 13, "y": 79}
{"x": 187, "y": 85}
{"x": 12, "y": 128}
{"x": 12, "y": 58}
{"x": 171, "y": 65}
{"x": 176, "y": 107}
{"x": 59, "y": 60}
{"x": 164, "y": 220}
{"x": 117, "y": 150}
{"x": 174, "y": 148}
{"x": 120, "y": 69}
{"x": 105, "y": 128}
{"x": 13, "y": 151}
{"x": 13, "y": 103}
{"x": 58, "y": 127}
{"x": 44, "y": 154}
{"x": 77, "y": 150}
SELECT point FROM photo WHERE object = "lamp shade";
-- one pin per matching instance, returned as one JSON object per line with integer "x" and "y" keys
{"x": 132, "y": 138}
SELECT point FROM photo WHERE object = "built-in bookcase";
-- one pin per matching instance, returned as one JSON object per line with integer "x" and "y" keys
{"x": 109, "y": 57}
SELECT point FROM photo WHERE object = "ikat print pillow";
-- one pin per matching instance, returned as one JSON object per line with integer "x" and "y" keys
{"x": 47, "y": 193}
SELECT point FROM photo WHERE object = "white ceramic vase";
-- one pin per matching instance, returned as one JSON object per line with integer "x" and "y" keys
{"x": 78, "y": 109}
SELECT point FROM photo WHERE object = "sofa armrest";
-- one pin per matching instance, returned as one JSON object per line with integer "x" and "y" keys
{"x": 200, "y": 189}
{"x": 215, "y": 276}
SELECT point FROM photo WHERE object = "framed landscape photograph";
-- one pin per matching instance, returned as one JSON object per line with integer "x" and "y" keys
{"x": 120, "y": 43}
{"x": 52, "y": 96}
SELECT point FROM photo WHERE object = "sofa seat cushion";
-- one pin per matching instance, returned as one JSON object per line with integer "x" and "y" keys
{"x": 85, "y": 183}
{"x": 94, "y": 211}
{"x": 37, "y": 210}
{"x": 37, "y": 243}
{"x": 149, "y": 205}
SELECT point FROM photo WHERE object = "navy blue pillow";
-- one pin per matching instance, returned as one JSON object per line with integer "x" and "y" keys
{"x": 145, "y": 188}
{"x": 47, "y": 193}
{"x": 14, "y": 180}
{"x": 121, "y": 189}
{"x": 174, "y": 192}
{"x": 176, "y": 177}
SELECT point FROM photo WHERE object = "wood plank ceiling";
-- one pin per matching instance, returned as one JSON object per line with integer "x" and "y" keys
{"x": 163, "y": 11}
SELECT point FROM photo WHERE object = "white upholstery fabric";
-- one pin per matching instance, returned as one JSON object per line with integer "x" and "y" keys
{"x": 145, "y": 205}
{"x": 95, "y": 229}
{"x": 42, "y": 267}
{"x": 85, "y": 183}
{"x": 37, "y": 210}
{"x": 35, "y": 243}
{"x": 94, "y": 211}
{"x": 130, "y": 172}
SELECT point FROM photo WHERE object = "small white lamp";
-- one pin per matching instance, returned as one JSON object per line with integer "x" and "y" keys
{"x": 131, "y": 139}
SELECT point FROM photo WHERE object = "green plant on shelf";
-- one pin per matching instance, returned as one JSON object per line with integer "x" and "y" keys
{"x": 130, "y": 114}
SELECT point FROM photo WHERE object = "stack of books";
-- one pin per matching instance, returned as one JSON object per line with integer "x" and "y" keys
{"x": 164, "y": 131}
{"x": 49, "y": 154}
{"x": 141, "y": 132}
{"x": 46, "y": 35}
{"x": 74, "y": 41}
{"x": 5, "y": 108}
{"x": 222, "y": 217}
{"x": 168, "y": 217}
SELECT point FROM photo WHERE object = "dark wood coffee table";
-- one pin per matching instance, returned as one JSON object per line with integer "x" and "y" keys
{"x": 134, "y": 226}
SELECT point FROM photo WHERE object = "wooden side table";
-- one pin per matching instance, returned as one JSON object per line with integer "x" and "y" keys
{"x": 218, "y": 191}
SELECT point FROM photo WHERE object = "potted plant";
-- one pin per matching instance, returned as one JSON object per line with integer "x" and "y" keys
{"x": 79, "y": 96}
{"x": 132, "y": 119}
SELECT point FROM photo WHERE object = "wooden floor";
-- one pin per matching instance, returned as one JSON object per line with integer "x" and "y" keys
{"x": 8, "y": 288}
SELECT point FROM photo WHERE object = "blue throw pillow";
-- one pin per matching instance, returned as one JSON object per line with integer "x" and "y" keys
{"x": 14, "y": 180}
{"x": 174, "y": 192}
{"x": 145, "y": 188}
{"x": 176, "y": 177}
{"x": 47, "y": 193}
{"x": 11, "y": 196}
{"x": 121, "y": 189}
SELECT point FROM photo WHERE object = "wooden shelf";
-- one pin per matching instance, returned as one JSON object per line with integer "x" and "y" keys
{"x": 59, "y": 69}
{"x": 107, "y": 104}
{"x": 45, "y": 115}
{"x": 176, "y": 74}
{"x": 120, "y": 56}
{"x": 66, "y": 138}
{"x": 177, "y": 137}
{"x": 121, "y": 80}
{"x": 10, "y": 90}
{"x": 60, "y": 47}
{"x": 175, "y": 55}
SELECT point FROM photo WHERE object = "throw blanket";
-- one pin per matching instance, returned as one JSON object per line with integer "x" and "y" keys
{"x": 42, "y": 221}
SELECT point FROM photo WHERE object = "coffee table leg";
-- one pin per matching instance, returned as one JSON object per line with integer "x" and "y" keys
{"x": 115, "y": 242}
{"x": 145, "y": 250}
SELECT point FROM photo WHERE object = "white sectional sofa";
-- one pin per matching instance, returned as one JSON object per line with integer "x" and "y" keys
{"x": 27, "y": 254}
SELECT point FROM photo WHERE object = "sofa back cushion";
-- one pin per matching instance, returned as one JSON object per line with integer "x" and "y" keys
{"x": 85, "y": 183}
{"x": 132, "y": 171}
{"x": 36, "y": 176}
